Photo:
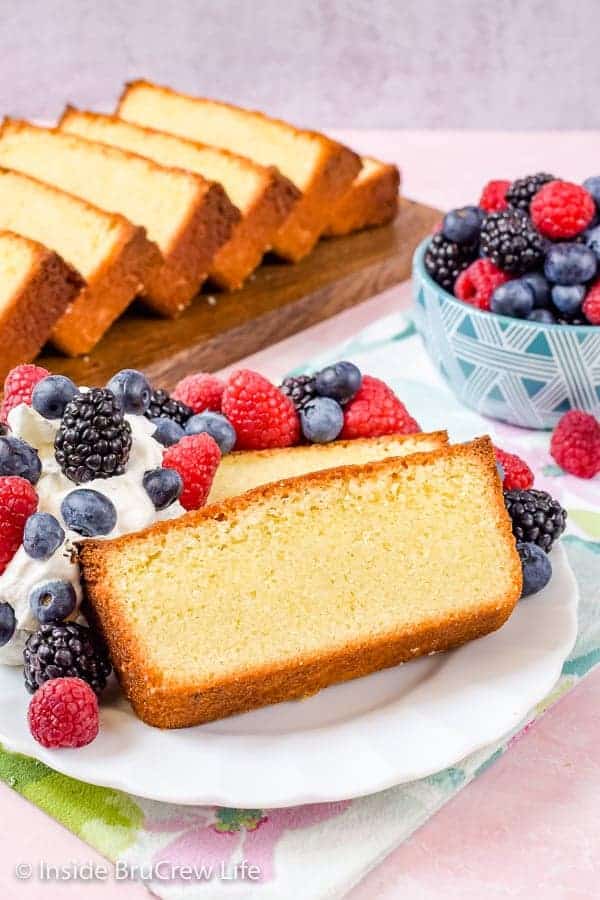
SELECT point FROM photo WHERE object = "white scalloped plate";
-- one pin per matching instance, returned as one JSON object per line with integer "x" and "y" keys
{"x": 349, "y": 740}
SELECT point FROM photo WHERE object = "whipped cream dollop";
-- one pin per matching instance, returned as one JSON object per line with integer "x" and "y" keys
{"x": 134, "y": 509}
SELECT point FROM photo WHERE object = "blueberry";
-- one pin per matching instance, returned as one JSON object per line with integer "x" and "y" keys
{"x": 88, "y": 512}
{"x": 568, "y": 297}
{"x": 540, "y": 288}
{"x": 514, "y": 298}
{"x": 322, "y": 420}
{"x": 163, "y": 486}
{"x": 167, "y": 431}
{"x": 19, "y": 458}
{"x": 133, "y": 389}
{"x": 570, "y": 264}
{"x": 462, "y": 225}
{"x": 8, "y": 623}
{"x": 43, "y": 536}
{"x": 52, "y": 601}
{"x": 592, "y": 240}
{"x": 544, "y": 316}
{"x": 215, "y": 424}
{"x": 51, "y": 395}
{"x": 340, "y": 381}
{"x": 592, "y": 185}
{"x": 537, "y": 568}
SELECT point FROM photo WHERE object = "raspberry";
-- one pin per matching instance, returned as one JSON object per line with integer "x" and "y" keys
{"x": 18, "y": 501}
{"x": 261, "y": 414}
{"x": 517, "y": 474}
{"x": 64, "y": 713}
{"x": 375, "y": 411}
{"x": 18, "y": 387}
{"x": 477, "y": 283}
{"x": 561, "y": 209}
{"x": 196, "y": 458}
{"x": 493, "y": 196}
{"x": 575, "y": 444}
{"x": 200, "y": 392}
{"x": 591, "y": 304}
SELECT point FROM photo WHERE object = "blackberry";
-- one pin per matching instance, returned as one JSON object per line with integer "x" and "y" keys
{"x": 511, "y": 242}
{"x": 445, "y": 260}
{"x": 163, "y": 406}
{"x": 521, "y": 192}
{"x": 65, "y": 651}
{"x": 300, "y": 389}
{"x": 94, "y": 438}
{"x": 536, "y": 517}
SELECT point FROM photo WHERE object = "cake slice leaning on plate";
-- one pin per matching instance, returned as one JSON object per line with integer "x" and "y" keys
{"x": 244, "y": 470}
{"x": 296, "y": 585}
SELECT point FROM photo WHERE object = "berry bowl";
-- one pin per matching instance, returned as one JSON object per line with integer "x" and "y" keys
{"x": 523, "y": 372}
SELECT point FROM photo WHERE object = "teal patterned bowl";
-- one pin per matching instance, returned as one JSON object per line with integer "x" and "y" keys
{"x": 525, "y": 373}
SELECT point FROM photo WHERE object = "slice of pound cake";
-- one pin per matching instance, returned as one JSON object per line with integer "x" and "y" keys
{"x": 188, "y": 217}
{"x": 296, "y": 585}
{"x": 244, "y": 470}
{"x": 319, "y": 167}
{"x": 36, "y": 287}
{"x": 113, "y": 256}
{"x": 372, "y": 199}
{"x": 264, "y": 197}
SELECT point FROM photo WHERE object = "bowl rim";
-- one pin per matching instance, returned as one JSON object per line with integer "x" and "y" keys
{"x": 419, "y": 265}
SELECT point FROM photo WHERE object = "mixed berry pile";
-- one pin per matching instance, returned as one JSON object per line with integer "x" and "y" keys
{"x": 66, "y": 665}
{"x": 530, "y": 249}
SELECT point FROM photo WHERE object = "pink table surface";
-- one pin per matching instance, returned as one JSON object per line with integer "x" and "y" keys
{"x": 530, "y": 825}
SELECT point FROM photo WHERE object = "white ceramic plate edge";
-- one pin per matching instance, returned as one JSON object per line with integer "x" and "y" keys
{"x": 304, "y": 771}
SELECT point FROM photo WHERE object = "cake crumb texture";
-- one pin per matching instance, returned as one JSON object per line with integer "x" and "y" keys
{"x": 296, "y": 585}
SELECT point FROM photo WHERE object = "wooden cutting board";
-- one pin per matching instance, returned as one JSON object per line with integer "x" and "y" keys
{"x": 280, "y": 300}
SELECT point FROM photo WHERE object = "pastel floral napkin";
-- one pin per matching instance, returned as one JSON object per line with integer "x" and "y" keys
{"x": 321, "y": 851}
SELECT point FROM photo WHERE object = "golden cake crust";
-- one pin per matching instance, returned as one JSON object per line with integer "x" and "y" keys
{"x": 172, "y": 706}
{"x": 370, "y": 201}
{"x": 172, "y": 288}
{"x": 111, "y": 288}
{"x": 298, "y": 235}
{"x": 332, "y": 176}
{"x": 254, "y": 234}
{"x": 107, "y": 295}
{"x": 25, "y": 325}
{"x": 251, "y": 236}
{"x": 168, "y": 289}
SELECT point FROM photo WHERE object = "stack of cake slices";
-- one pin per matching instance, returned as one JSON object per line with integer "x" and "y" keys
{"x": 151, "y": 201}
{"x": 310, "y": 566}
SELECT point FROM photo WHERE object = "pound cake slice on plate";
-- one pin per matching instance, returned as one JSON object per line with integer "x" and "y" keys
{"x": 319, "y": 167}
{"x": 244, "y": 470}
{"x": 296, "y": 585}
{"x": 264, "y": 197}
{"x": 372, "y": 199}
{"x": 188, "y": 217}
{"x": 36, "y": 287}
{"x": 113, "y": 256}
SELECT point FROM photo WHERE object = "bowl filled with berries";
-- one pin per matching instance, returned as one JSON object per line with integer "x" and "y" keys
{"x": 507, "y": 299}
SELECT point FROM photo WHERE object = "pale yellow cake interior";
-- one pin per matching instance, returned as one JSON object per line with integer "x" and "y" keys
{"x": 314, "y": 566}
{"x": 158, "y": 198}
{"x": 17, "y": 259}
{"x": 242, "y": 181}
{"x": 83, "y": 236}
{"x": 242, "y": 471}
{"x": 267, "y": 141}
